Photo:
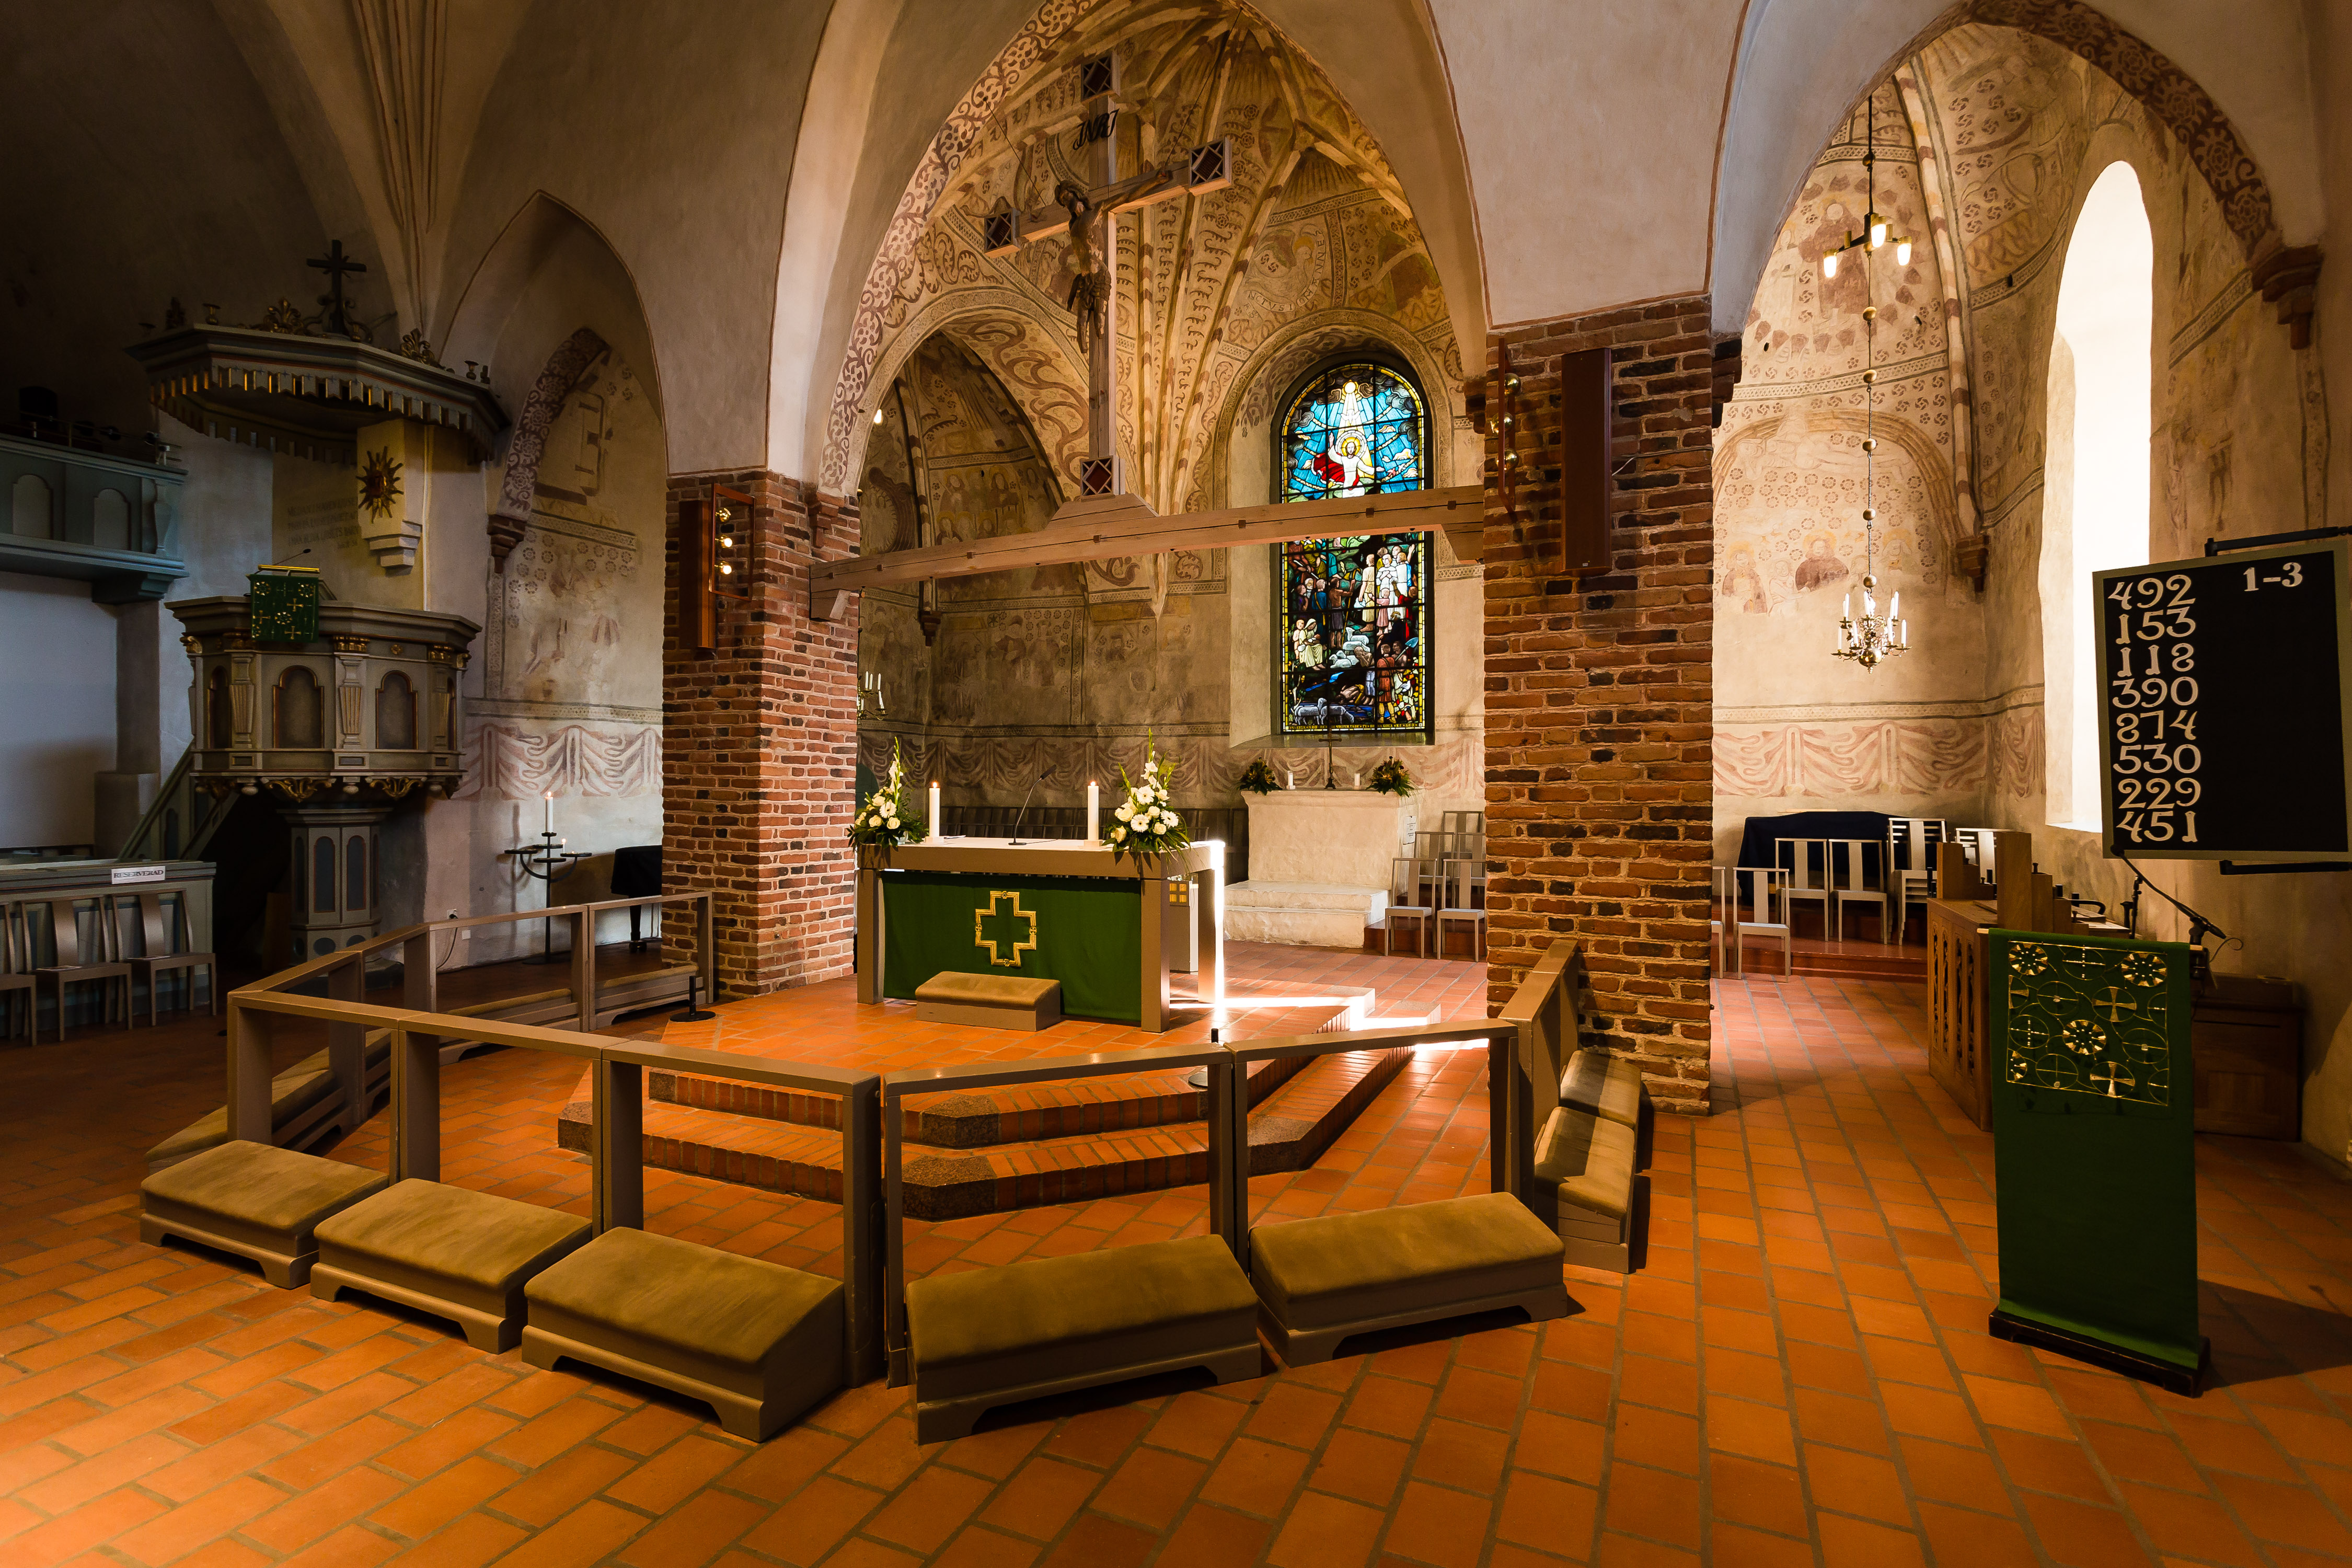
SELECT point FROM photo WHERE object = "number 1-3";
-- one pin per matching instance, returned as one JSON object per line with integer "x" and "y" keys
{"x": 2290, "y": 576}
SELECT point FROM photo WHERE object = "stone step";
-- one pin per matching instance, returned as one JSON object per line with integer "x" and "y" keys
{"x": 1303, "y": 896}
{"x": 1301, "y": 1119}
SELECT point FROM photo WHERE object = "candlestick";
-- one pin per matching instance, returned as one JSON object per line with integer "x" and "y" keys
{"x": 938, "y": 827}
{"x": 550, "y": 811}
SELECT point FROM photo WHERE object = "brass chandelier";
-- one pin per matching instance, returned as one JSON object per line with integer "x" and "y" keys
{"x": 1875, "y": 636}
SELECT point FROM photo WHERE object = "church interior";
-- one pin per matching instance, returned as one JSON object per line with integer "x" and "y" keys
{"x": 1341, "y": 801}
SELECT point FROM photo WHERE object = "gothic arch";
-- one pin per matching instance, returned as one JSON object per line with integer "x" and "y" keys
{"x": 566, "y": 368}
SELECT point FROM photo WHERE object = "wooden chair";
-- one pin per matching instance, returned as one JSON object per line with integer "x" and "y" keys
{"x": 1766, "y": 888}
{"x": 1850, "y": 884}
{"x": 1802, "y": 883}
{"x": 17, "y": 972}
{"x": 1916, "y": 837}
{"x": 1980, "y": 844}
{"x": 1723, "y": 921}
{"x": 162, "y": 934}
{"x": 1456, "y": 905}
{"x": 1405, "y": 874}
{"x": 106, "y": 966}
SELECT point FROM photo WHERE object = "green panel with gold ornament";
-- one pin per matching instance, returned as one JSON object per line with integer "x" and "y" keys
{"x": 281, "y": 604}
{"x": 2096, "y": 1168}
{"x": 1085, "y": 931}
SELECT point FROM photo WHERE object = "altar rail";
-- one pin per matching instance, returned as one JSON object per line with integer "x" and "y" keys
{"x": 1534, "y": 1031}
{"x": 423, "y": 950}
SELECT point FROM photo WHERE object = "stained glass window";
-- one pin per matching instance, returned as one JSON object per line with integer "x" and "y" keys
{"x": 1353, "y": 619}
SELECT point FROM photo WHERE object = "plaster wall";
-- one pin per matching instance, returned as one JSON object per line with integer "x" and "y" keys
{"x": 57, "y": 708}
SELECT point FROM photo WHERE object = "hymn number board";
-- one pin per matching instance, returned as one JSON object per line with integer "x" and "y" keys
{"x": 2226, "y": 719}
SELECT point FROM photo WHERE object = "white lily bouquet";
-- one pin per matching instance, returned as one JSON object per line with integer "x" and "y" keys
{"x": 883, "y": 822}
{"x": 1146, "y": 824}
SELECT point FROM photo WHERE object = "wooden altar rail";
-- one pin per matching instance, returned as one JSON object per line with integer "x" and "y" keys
{"x": 1529, "y": 1042}
{"x": 617, "y": 1151}
{"x": 344, "y": 972}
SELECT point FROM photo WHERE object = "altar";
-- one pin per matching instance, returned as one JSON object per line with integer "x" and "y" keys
{"x": 1052, "y": 910}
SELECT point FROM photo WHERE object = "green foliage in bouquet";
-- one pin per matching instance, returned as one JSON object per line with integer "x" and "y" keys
{"x": 1390, "y": 778}
{"x": 1258, "y": 779}
{"x": 882, "y": 821}
{"x": 1146, "y": 824}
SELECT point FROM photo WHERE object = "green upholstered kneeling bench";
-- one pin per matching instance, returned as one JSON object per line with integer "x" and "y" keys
{"x": 1592, "y": 1159}
{"x": 991, "y": 1001}
{"x": 1319, "y": 1280}
{"x": 457, "y": 1254}
{"x": 253, "y": 1201}
{"x": 757, "y": 1342}
{"x": 998, "y": 1336}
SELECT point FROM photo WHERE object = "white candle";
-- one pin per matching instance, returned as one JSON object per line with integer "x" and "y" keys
{"x": 550, "y": 811}
{"x": 1289, "y": 778}
{"x": 1847, "y": 612}
{"x": 1093, "y": 812}
{"x": 936, "y": 829}
{"x": 1894, "y": 609}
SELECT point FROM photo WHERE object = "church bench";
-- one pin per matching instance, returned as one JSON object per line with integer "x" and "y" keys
{"x": 455, "y": 1253}
{"x": 998, "y": 1336}
{"x": 1610, "y": 1087}
{"x": 255, "y": 1201}
{"x": 990, "y": 1000}
{"x": 1593, "y": 1160}
{"x": 757, "y": 1342}
{"x": 1320, "y": 1281}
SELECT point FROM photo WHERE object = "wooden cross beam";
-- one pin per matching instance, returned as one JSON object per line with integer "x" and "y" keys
{"x": 1112, "y": 527}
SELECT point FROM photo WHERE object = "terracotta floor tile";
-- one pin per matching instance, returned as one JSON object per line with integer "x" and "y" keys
{"x": 1324, "y": 1531}
{"x": 1439, "y": 1525}
{"x": 2083, "y": 1536}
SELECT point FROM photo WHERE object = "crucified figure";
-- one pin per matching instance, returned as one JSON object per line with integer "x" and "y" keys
{"x": 1085, "y": 301}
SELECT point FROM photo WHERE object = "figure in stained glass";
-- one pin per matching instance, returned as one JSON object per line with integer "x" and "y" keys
{"x": 1354, "y": 643}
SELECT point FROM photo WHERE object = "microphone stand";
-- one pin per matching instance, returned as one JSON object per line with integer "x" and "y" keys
{"x": 1024, "y": 807}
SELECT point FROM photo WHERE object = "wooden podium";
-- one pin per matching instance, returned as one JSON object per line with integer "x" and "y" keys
{"x": 996, "y": 868}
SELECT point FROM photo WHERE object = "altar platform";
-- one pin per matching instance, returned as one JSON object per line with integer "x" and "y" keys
{"x": 1047, "y": 1144}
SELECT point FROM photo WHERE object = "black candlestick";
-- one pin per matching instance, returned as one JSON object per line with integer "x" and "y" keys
{"x": 551, "y": 863}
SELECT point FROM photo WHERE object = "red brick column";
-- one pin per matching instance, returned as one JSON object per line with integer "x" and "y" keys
{"x": 1600, "y": 691}
{"x": 760, "y": 746}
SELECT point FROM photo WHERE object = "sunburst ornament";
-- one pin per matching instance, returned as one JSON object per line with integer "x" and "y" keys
{"x": 380, "y": 483}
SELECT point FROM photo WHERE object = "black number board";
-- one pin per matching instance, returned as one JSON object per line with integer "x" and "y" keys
{"x": 2226, "y": 705}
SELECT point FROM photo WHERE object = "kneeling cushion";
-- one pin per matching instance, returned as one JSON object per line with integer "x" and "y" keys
{"x": 766, "y": 1339}
{"x": 448, "y": 1250}
{"x": 1390, "y": 1263}
{"x": 256, "y": 1200}
{"x": 1053, "y": 1318}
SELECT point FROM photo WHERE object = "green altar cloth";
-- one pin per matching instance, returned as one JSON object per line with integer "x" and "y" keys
{"x": 1085, "y": 931}
{"x": 2095, "y": 1170}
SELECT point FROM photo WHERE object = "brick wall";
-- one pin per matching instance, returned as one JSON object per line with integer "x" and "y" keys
{"x": 760, "y": 747}
{"x": 1599, "y": 691}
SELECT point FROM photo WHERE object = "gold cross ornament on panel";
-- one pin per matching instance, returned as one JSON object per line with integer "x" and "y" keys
{"x": 995, "y": 945}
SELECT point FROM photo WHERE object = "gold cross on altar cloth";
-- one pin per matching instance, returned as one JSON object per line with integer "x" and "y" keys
{"x": 2114, "y": 1076}
{"x": 1089, "y": 216}
{"x": 980, "y": 938}
{"x": 2115, "y": 1003}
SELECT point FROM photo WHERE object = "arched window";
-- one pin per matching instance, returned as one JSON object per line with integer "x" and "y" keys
{"x": 1351, "y": 617}
{"x": 395, "y": 714}
{"x": 2094, "y": 472}
{"x": 300, "y": 721}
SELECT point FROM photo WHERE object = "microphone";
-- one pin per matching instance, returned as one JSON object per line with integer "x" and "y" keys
{"x": 1024, "y": 807}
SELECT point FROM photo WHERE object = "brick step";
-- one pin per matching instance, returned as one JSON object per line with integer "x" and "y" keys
{"x": 1461, "y": 940}
{"x": 1019, "y": 1115}
{"x": 1298, "y": 1121}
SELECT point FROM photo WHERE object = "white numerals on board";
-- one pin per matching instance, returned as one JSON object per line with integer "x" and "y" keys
{"x": 2153, "y": 758}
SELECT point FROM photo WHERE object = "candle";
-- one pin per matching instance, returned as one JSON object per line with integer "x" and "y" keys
{"x": 936, "y": 830}
{"x": 1894, "y": 608}
{"x": 1846, "y": 612}
{"x": 1093, "y": 812}
{"x": 550, "y": 811}
{"x": 1289, "y": 778}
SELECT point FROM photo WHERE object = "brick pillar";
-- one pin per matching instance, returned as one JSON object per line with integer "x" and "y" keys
{"x": 1600, "y": 719}
{"x": 760, "y": 746}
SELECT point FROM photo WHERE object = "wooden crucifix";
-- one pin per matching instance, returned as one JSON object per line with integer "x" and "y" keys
{"x": 1089, "y": 214}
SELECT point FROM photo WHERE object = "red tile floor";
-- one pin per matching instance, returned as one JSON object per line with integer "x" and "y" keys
{"x": 1799, "y": 1375}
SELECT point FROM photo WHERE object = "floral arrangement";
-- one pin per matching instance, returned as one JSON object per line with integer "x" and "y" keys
{"x": 1146, "y": 824}
{"x": 1390, "y": 778}
{"x": 883, "y": 822}
{"x": 1258, "y": 779}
